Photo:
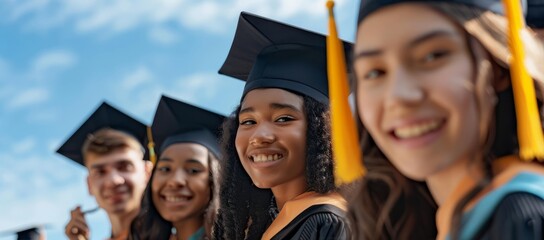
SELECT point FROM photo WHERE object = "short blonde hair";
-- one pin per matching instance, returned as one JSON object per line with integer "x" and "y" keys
{"x": 107, "y": 140}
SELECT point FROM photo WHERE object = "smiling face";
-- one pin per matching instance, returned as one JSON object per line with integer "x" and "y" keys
{"x": 117, "y": 180}
{"x": 271, "y": 137}
{"x": 415, "y": 89}
{"x": 181, "y": 182}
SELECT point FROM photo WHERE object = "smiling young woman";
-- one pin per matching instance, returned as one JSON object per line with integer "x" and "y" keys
{"x": 179, "y": 200}
{"x": 277, "y": 172}
{"x": 436, "y": 106}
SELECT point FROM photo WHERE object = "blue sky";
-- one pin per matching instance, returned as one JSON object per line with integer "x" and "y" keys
{"x": 60, "y": 58}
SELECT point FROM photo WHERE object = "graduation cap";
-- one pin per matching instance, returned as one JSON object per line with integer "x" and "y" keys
{"x": 179, "y": 122}
{"x": 369, "y": 6}
{"x": 33, "y": 232}
{"x": 30, "y": 234}
{"x": 535, "y": 13}
{"x": 105, "y": 116}
{"x": 269, "y": 54}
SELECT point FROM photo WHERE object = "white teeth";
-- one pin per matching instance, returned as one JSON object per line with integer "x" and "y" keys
{"x": 417, "y": 130}
{"x": 266, "y": 158}
{"x": 175, "y": 199}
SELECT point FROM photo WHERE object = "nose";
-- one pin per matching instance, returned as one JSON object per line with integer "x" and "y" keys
{"x": 404, "y": 89}
{"x": 114, "y": 178}
{"x": 263, "y": 135}
{"x": 177, "y": 179}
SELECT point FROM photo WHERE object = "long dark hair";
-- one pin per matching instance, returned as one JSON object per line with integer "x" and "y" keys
{"x": 150, "y": 225}
{"x": 244, "y": 208}
{"x": 407, "y": 210}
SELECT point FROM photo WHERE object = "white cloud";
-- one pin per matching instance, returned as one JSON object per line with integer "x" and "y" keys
{"x": 196, "y": 87}
{"x": 53, "y": 144}
{"x": 35, "y": 190}
{"x": 141, "y": 90}
{"x": 26, "y": 7}
{"x": 44, "y": 115}
{"x": 122, "y": 15}
{"x": 52, "y": 60}
{"x": 28, "y": 87}
{"x": 24, "y": 146}
{"x": 163, "y": 35}
{"x": 4, "y": 70}
{"x": 28, "y": 97}
{"x": 134, "y": 79}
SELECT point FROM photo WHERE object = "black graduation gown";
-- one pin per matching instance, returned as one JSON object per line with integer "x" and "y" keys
{"x": 322, "y": 221}
{"x": 518, "y": 216}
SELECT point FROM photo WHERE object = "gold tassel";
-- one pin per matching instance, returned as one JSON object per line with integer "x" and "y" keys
{"x": 151, "y": 146}
{"x": 346, "y": 151}
{"x": 531, "y": 142}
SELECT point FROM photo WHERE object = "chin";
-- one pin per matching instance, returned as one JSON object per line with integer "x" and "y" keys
{"x": 121, "y": 208}
{"x": 417, "y": 173}
{"x": 264, "y": 184}
{"x": 177, "y": 217}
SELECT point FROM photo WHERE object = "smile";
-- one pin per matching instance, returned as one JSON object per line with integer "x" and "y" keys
{"x": 176, "y": 199}
{"x": 265, "y": 158}
{"x": 417, "y": 130}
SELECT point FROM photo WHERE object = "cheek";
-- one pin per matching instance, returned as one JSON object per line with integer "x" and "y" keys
{"x": 368, "y": 107}
{"x": 201, "y": 186}
{"x": 136, "y": 180}
{"x": 96, "y": 184}
{"x": 156, "y": 185}
{"x": 456, "y": 92}
{"x": 241, "y": 143}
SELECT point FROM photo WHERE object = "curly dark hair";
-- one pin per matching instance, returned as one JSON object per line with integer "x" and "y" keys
{"x": 150, "y": 225}
{"x": 244, "y": 208}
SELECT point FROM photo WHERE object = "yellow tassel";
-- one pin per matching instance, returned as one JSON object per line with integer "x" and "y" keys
{"x": 531, "y": 142}
{"x": 151, "y": 146}
{"x": 346, "y": 150}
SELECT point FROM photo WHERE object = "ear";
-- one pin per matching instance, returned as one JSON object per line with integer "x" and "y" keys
{"x": 148, "y": 169}
{"x": 501, "y": 80}
{"x": 89, "y": 186}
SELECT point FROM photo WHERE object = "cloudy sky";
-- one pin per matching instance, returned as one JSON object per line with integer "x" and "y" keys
{"x": 60, "y": 58}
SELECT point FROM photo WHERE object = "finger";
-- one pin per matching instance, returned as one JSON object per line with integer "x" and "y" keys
{"x": 75, "y": 232}
{"x": 81, "y": 237}
{"x": 82, "y": 227}
{"x": 76, "y": 212}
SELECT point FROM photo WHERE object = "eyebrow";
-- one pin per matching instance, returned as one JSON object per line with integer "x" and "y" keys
{"x": 418, "y": 40}
{"x": 194, "y": 161}
{"x": 191, "y": 160}
{"x": 246, "y": 110}
{"x": 102, "y": 165}
{"x": 165, "y": 159}
{"x": 275, "y": 106}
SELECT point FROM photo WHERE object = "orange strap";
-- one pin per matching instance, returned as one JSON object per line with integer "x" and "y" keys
{"x": 293, "y": 208}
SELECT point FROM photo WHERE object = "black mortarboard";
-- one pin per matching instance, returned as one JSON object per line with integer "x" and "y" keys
{"x": 535, "y": 13}
{"x": 179, "y": 122}
{"x": 105, "y": 116}
{"x": 33, "y": 232}
{"x": 29, "y": 234}
{"x": 269, "y": 54}
{"x": 369, "y": 6}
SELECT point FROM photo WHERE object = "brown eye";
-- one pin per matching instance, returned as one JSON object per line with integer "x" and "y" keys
{"x": 247, "y": 122}
{"x": 285, "y": 119}
{"x": 435, "y": 55}
{"x": 194, "y": 171}
{"x": 163, "y": 169}
{"x": 373, "y": 74}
